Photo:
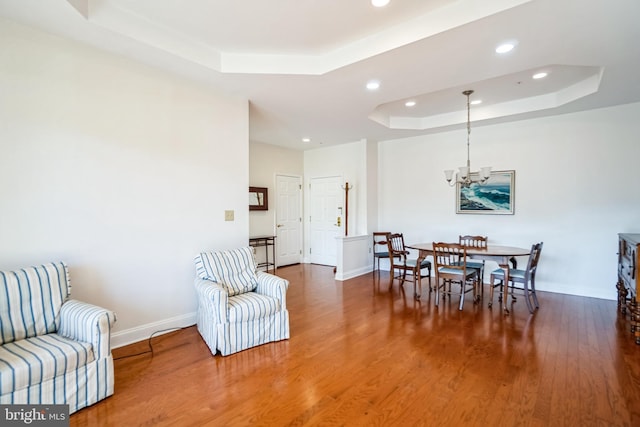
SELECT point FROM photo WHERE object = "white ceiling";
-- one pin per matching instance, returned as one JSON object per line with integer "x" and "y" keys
{"x": 303, "y": 64}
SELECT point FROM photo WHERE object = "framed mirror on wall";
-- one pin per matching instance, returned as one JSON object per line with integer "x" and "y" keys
{"x": 258, "y": 200}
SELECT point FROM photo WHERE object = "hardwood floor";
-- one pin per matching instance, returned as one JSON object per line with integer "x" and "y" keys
{"x": 361, "y": 355}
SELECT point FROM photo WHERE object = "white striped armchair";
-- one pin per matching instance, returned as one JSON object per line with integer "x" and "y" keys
{"x": 53, "y": 350}
{"x": 238, "y": 306}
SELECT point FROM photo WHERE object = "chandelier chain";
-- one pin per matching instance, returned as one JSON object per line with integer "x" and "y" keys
{"x": 468, "y": 93}
{"x": 466, "y": 177}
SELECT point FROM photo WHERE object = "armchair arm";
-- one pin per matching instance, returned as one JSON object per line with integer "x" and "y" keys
{"x": 212, "y": 299}
{"x": 82, "y": 321}
{"x": 273, "y": 286}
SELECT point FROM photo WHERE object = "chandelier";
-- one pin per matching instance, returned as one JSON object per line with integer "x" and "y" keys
{"x": 465, "y": 177}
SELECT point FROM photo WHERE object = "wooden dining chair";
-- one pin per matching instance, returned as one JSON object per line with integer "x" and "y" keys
{"x": 380, "y": 250}
{"x": 526, "y": 279}
{"x": 475, "y": 242}
{"x": 450, "y": 266}
{"x": 401, "y": 264}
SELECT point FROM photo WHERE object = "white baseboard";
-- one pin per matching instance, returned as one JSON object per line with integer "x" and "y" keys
{"x": 346, "y": 275}
{"x": 143, "y": 332}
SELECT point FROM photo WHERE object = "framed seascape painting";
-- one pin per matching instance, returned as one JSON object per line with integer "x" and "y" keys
{"x": 496, "y": 196}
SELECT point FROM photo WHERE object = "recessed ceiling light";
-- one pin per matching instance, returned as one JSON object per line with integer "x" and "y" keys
{"x": 505, "y": 47}
{"x": 410, "y": 103}
{"x": 540, "y": 75}
{"x": 379, "y": 3}
{"x": 476, "y": 102}
{"x": 306, "y": 139}
{"x": 373, "y": 85}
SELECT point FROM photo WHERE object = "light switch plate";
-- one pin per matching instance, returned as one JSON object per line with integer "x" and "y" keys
{"x": 228, "y": 215}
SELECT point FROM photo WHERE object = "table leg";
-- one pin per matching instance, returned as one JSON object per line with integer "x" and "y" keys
{"x": 505, "y": 294}
{"x": 417, "y": 276}
{"x": 273, "y": 252}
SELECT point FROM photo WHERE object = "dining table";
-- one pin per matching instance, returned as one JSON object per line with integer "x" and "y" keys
{"x": 498, "y": 253}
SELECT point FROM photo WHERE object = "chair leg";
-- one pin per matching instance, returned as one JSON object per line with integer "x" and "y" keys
{"x": 417, "y": 284}
{"x": 533, "y": 291}
{"x": 463, "y": 284}
{"x": 530, "y": 294}
{"x": 527, "y": 297}
{"x": 492, "y": 285}
{"x": 505, "y": 295}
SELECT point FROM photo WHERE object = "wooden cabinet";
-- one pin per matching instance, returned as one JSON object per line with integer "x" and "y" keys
{"x": 628, "y": 260}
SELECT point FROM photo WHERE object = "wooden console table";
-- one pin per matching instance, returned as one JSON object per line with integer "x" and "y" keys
{"x": 266, "y": 242}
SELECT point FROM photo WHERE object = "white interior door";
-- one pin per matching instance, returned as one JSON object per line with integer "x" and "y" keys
{"x": 326, "y": 219}
{"x": 288, "y": 220}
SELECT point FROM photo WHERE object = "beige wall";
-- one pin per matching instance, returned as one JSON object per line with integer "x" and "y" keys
{"x": 119, "y": 169}
{"x": 265, "y": 162}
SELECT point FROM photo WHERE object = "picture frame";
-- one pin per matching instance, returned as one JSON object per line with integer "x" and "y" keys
{"x": 258, "y": 199}
{"x": 494, "y": 197}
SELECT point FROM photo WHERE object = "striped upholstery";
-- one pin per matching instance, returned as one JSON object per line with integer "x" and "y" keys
{"x": 251, "y": 306}
{"x": 235, "y": 269}
{"x": 52, "y": 359}
{"x": 231, "y": 323}
{"x": 32, "y": 298}
{"x": 34, "y": 360}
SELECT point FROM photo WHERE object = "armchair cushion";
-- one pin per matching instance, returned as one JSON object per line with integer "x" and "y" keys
{"x": 235, "y": 269}
{"x": 251, "y": 306}
{"x": 39, "y": 359}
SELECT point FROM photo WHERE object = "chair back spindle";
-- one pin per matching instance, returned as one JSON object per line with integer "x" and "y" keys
{"x": 450, "y": 255}
{"x": 473, "y": 241}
